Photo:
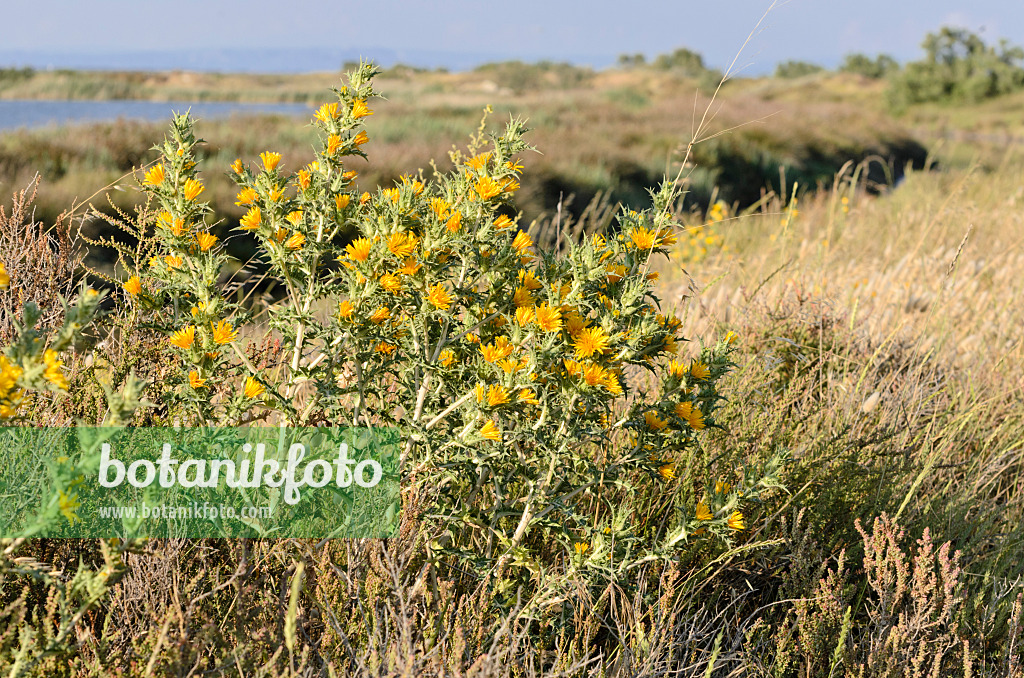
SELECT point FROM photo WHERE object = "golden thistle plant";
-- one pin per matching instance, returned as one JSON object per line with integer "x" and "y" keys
{"x": 516, "y": 377}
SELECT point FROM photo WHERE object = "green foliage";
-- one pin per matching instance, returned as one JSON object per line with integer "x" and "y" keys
{"x": 796, "y": 69}
{"x": 519, "y": 76}
{"x": 861, "y": 64}
{"x": 958, "y": 67}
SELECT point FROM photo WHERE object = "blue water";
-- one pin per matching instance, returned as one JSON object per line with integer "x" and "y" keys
{"x": 32, "y": 113}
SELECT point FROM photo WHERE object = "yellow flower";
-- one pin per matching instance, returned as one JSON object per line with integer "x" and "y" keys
{"x": 246, "y": 196}
{"x": 643, "y": 238}
{"x": 549, "y": 319}
{"x": 589, "y": 341}
{"x": 477, "y": 162}
{"x": 69, "y": 505}
{"x": 364, "y": 198}
{"x": 345, "y": 309}
{"x": 447, "y": 357}
{"x": 699, "y": 370}
{"x": 503, "y": 222}
{"x": 53, "y": 373}
{"x": 359, "y": 250}
{"x": 722, "y": 487}
{"x": 735, "y": 521}
{"x": 195, "y": 381}
{"x": 611, "y": 382}
{"x": 385, "y": 348}
{"x": 327, "y": 112}
{"x": 454, "y": 222}
{"x": 253, "y": 388}
{"x": 522, "y": 242}
{"x": 730, "y": 337}
{"x": 359, "y": 109}
{"x": 391, "y": 283}
{"x": 333, "y": 144}
{"x": 522, "y": 297}
{"x": 223, "y": 333}
{"x": 275, "y": 193}
{"x": 205, "y": 241}
{"x": 402, "y": 244}
{"x": 487, "y": 188}
{"x": 667, "y": 472}
{"x": 361, "y": 138}
{"x": 524, "y": 315}
{"x": 499, "y": 350}
{"x": 237, "y": 166}
{"x": 380, "y": 315}
{"x": 342, "y": 200}
{"x": 677, "y": 369}
{"x": 581, "y": 547}
{"x": 132, "y": 286}
{"x": 192, "y": 189}
{"x": 653, "y": 421}
{"x": 439, "y": 297}
{"x": 692, "y": 415}
{"x": 302, "y": 179}
{"x": 528, "y": 396}
{"x": 496, "y": 395}
{"x": 294, "y": 217}
{"x": 184, "y": 338}
{"x": 155, "y": 176}
{"x": 702, "y": 512}
{"x": 409, "y": 267}
{"x": 349, "y": 175}
{"x": 295, "y": 241}
{"x": 270, "y": 160}
{"x": 490, "y": 431}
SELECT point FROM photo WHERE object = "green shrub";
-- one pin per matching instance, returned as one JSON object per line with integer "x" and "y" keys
{"x": 861, "y": 64}
{"x": 958, "y": 67}
{"x": 796, "y": 69}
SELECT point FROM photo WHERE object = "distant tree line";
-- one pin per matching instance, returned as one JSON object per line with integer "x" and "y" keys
{"x": 957, "y": 67}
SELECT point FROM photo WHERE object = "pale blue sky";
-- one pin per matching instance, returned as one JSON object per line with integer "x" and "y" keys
{"x": 595, "y": 30}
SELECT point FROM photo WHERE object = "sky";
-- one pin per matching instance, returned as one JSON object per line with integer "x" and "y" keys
{"x": 460, "y": 33}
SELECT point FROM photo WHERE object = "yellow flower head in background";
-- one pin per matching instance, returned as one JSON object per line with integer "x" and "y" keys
{"x": 195, "y": 381}
{"x": 581, "y": 547}
{"x": 497, "y": 395}
{"x": 184, "y": 338}
{"x": 223, "y": 333}
{"x": 246, "y": 196}
{"x": 270, "y": 160}
{"x": 132, "y": 286}
{"x": 702, "y": 512}
{"x": 54, "y": 374}
{"x": 155, "y": 176}
{"x": 192, "y": 189}
{"x": 327, "y": 112}
{"x": 643, "y": 238}
{"x": 237, "y": 167}
{"x": 699, "y": 370}
{"x": 402, "y": 244}
{"x": 439, "y": 297}
{"x": 359, "y": 109}
{"x": 253, "y": 388}
{"x": 447, "y": 357}
{"x": 295, "y": 241}
{"x": 549, "y": 319}
{"x": 359, "y": 250}
{"x": 361, "y": 138}
{"x": 735, "y": 521}
{"x": 667, "y": 472}
{"x": 487, "y": 188}
{"x": 491, "y": 431}
{"x": 205, "y": 241}
{"x": 590, "y": 341}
